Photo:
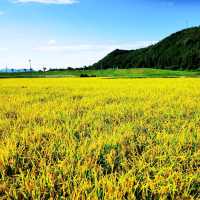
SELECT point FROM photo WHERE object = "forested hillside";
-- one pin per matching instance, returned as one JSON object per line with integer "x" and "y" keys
{"x": 180, "y": 50}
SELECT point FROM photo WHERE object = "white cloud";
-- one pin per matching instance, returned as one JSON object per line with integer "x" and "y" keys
{"x": 80, "y": 47}
{"x": 2, "y": 49}
{"x": 48, "y": 1}
{"x": 53, "y": 54}
{"x": 52, "y": 42}
{"x": 52, "y": 46}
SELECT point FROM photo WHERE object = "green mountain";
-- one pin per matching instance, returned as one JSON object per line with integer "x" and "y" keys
{"x": 180, "y": 50}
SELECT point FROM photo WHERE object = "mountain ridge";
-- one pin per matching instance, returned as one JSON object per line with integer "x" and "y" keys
{"x": 180, "y": 50}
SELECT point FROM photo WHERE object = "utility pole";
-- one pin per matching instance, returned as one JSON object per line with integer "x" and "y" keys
{"x": 30, "y": 64}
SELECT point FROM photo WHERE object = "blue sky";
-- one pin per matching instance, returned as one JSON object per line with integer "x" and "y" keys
{"x": 62, "y": 33}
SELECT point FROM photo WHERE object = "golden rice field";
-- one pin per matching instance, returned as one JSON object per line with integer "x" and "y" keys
{"x": 73, "y": 138}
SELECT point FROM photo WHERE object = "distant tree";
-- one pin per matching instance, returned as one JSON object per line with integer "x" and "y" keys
{"x": 84, "y": 75}
{"x": 44, "y": 69}
{"x": 84, "y": 67}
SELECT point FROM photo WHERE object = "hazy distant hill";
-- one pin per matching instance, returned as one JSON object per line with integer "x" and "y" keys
{"x": 12, "y": 70}
{"x": 180, "y": 50}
